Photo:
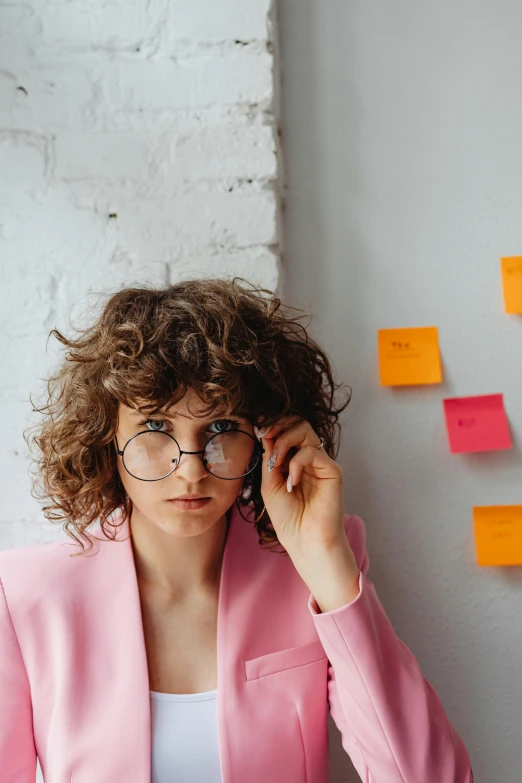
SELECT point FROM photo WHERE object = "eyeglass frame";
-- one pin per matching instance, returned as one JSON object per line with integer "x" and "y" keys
{"x": 120, "y": 452}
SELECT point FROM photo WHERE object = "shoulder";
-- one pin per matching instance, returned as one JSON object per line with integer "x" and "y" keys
{"x": 356, "y": 534}
{"x": 32, "y": 556}
{"x": 35, "y": 571}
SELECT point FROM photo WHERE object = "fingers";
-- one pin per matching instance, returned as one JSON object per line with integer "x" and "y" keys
{"x": 298, "y": 435}
{"x": 290, "y": 444}
{"x": 271, "y": 479}
{"x": 323, "y": 466}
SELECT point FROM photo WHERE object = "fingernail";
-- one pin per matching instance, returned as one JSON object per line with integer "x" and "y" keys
{"x": 260, "y": 433}
{"x": 289, "y": 482}
{"x": 272, "y": 461}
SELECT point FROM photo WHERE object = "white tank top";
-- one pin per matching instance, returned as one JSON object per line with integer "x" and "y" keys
{"x": 184, "y": 737}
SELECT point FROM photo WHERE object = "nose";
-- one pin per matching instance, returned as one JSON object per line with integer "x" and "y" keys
{"x": 191, "y": 466}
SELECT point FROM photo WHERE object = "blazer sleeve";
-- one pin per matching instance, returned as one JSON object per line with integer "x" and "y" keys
{"x": 392, "y": 723}
{"x": 17, "y": 746}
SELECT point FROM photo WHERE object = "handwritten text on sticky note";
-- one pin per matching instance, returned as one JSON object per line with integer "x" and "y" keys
{"x": 477, "y": 423}
{"x": 498, "y": 535}
{"x": 409, "y": 356}
{"x": 512, "y": 283}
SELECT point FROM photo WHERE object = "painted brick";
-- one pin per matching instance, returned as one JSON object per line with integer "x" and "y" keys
{"x": 141, "y": 85}
{"x": 243, "y": 20}
{"x": 112, "y": 156}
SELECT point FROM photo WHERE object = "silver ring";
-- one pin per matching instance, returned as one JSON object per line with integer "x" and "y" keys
{"x": 321, "y": 445}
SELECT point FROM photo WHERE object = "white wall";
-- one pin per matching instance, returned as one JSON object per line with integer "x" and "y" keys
{"x": 402, "y": 133}
{"x": 137, "y": 143}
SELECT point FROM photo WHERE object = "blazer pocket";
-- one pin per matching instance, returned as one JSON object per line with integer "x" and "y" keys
{"x": 290, "y": 658}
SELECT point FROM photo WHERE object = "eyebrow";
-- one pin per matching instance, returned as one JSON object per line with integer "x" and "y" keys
{"x": 172, "y": 415}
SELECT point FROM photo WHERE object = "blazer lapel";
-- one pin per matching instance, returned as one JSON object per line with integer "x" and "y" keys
{"x": 262, "y": 608}
{"x": 112, "y": 730}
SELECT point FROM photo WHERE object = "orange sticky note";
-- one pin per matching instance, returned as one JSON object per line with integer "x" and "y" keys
{"x": 409, "y": 356}
{"x": 512, "y": 283}
{"x": 498, "y": 535}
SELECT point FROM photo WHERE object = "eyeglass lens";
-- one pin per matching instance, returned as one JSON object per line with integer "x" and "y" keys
{"x": 153, "y": 455}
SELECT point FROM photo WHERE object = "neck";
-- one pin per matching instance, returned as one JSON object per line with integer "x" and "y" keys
{"x": 177, "y": 567}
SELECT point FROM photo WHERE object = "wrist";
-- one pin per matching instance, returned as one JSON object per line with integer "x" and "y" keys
{"x": 331, "y": 575}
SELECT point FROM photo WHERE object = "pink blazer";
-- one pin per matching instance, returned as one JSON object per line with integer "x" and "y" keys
{"x": 74, "y": 684}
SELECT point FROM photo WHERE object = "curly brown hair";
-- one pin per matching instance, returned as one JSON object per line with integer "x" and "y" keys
{"x": 234, "y": 343}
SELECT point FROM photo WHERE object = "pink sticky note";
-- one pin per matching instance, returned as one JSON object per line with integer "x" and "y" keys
{"x": 477, "y": 423}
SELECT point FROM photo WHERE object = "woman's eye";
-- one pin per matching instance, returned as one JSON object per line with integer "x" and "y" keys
{"x": 234, "y": 422}
{"x": 223, "y": 425}
{"x": 154, "y": 422}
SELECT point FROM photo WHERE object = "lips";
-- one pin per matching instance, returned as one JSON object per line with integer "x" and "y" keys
{"x": 189, "y": 505}
{"x": 191, "y": 497}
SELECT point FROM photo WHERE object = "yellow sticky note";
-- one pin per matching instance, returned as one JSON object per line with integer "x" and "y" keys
{"x": 409, "y": 356}
{"x": 512, "y": 283}
{"x": 498, "y": 535}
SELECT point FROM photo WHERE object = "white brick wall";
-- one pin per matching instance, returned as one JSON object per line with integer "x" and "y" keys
{"x": 137, "y": 142}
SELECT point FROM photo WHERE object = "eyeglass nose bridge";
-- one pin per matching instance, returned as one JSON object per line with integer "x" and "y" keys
{"x": 181, "y": 453}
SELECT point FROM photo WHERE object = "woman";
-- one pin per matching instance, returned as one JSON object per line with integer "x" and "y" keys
{"x": 184, "y": 648}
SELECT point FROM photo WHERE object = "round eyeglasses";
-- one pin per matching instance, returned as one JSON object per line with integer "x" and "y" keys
{"x": 152, "y": 455}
